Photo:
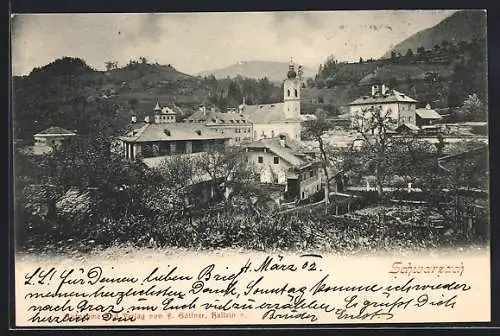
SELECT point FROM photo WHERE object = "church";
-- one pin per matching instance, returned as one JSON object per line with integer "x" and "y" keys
{"x": 271, "y": 120}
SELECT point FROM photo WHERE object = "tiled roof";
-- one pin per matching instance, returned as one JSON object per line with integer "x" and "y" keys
{"x": 145, "y": 132}
{"x": 293, "y": 152}
{"x": 267, "y": 113}
{"x": 212, "y": 117}
{"x": 392, "y": 96}
{"x": 427, "y": 114}
{"x": 54, "y": 130}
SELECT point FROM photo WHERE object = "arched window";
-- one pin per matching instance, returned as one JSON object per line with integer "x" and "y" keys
{"x": 288, "y": 92}
{"x": 272, "y": 134}
{"x": 296, "y": 93}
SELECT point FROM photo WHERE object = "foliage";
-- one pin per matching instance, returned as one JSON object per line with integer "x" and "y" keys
{"x": 471, "y": 109}
{"x": 374, "y": 125}
{"x": 315, "y": 129}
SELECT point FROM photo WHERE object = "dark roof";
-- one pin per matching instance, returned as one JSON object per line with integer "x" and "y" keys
{"x": 212, "y": 117}
{"x": 392, "y": 96}
{"x": 145, "y": 132}
{"x": 294, "y": 152}
{"x": 55, "y": 130}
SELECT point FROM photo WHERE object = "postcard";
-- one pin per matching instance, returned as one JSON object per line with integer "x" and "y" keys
{"x": 250, "y": 168}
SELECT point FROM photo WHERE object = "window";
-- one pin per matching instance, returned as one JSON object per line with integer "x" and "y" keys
{"x": 260, "y": 159}
{"x": 288, "y": 92}
{"x": 272, "y": 134}
{"x": 276, "y": 160}
{"x": 296, "y": 93}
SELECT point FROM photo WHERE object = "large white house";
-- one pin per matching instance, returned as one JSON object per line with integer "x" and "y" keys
{"x": 394, "y": 104}
{"x": 270, "y": 120}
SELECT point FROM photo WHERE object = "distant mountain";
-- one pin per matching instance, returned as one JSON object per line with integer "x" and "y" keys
{"x": 461, "y": 26}
{"x": 274, "y": 71}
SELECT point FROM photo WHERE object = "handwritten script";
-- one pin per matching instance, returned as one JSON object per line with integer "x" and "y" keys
{"x": 267, "y": 289}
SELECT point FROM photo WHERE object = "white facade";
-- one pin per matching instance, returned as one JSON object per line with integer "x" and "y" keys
{"x": 270, "y": 120}
{"x": 391, "y": 108}
{"x": 273, "y": 129}
{"x": 272, "y": 168}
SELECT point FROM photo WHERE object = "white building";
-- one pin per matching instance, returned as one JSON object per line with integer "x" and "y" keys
{"x": 270, "y": 120}
{"x": 288, "y": 162}
{"x": 394, "y": 104}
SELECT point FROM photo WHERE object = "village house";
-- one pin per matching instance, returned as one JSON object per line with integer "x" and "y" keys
{"x": 396, "y": 105}
{"x": 269, "y": 120}
{"x": 426, "y": 116}
{"x": 53, "y": 136}
{"x": 163, "y": 136}
{"x": 49, "y": 139}
{"x": 283, "y": 160}
{"x": 231, "y": 123}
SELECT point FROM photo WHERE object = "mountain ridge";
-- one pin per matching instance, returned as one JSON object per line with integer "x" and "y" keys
{"x": 464, "y": 25}
{"x": 275, "y": 71}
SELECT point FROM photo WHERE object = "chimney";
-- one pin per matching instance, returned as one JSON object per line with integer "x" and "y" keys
{"x": 212, "y": 109}
{"x": 384, "y": 89}
{"x": 146, "y": 119}
{"x": 282, "y": 140}
{"x": 428, "y": 106}
{"x": 134, "y": 119}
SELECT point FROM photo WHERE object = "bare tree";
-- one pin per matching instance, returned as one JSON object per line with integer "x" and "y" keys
{"x": 375, "y": 125}
{"x": 315, "y": 129}
{"x": 229, "y": 172}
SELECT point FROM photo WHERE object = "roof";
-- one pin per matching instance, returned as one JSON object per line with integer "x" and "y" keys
{"x": 482, "y": 150}
{"x": 213, "y": 117}
{"x": 294, "y": 152}
{"x": 392, "y": 96}
{"x": 145, "y": 132}
{"x": 409, "y": 126}
{"x": 55, "y": 130}
{"x": 479, "y": 155}
{"x": 427, "y": 113}
{"x": 267, "y": 113}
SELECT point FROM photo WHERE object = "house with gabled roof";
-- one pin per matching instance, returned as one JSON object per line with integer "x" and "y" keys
{"x": 426, "y": 116}
{"x": 393, "y": 104}
{"x": 285, "y": 161}
{"x": 232, "y": 124}
{"x": 161, "y": 135}
{"x": 52, "y": 137}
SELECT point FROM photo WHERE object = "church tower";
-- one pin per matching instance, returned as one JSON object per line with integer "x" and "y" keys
{"x": 291, "y": 94}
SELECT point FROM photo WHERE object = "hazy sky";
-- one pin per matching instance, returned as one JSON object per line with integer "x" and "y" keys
{"x": 195, "y": 42}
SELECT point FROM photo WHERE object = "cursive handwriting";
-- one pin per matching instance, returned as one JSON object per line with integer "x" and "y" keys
{"x": 276, "y": 289}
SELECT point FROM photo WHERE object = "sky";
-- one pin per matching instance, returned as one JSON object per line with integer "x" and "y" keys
{"x": 196, "y": 42}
